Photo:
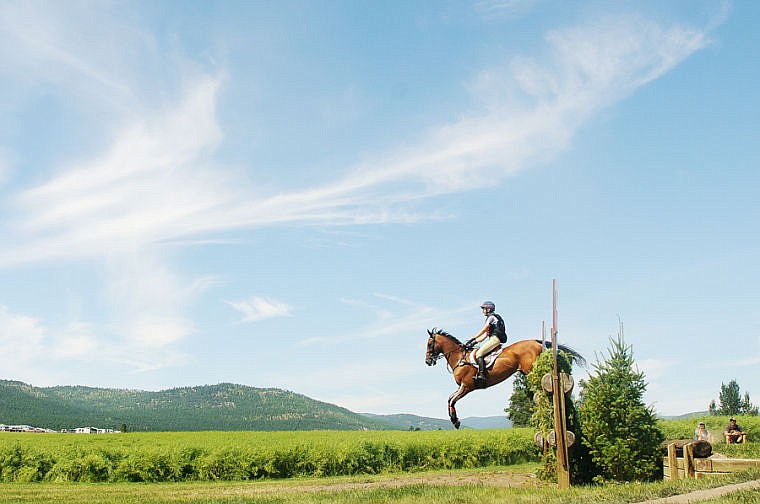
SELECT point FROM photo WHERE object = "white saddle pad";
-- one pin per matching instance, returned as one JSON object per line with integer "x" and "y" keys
{"x": 490, "y": 358}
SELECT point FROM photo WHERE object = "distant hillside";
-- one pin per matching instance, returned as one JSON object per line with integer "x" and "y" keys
{"x": 224, "y": 406}
{"x": 687, "y": 415}
{"x": 491, "y": 422}
{"x": 409, "y": 422}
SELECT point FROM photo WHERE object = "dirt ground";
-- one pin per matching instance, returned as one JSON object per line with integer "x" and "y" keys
{"x": 494, "y": 478}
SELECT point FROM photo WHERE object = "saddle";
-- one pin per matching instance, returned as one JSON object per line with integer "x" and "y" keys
{"x": 490, "y": 358}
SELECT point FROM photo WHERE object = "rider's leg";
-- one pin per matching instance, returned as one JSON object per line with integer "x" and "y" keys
{"x": 481, "y": 369}
{"x": 488, "y": 345}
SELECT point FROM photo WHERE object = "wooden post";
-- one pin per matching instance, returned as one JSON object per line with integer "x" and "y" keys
{"x": 673, "y": 461}
{"x": 543, "y": 333}
{"x": 688, "y": 461}
{"x": 563, "y": 467}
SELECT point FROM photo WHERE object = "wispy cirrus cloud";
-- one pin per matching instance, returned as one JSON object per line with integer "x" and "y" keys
{"x": 393, "y": 316}
{"x": 158, "y": 178}
{"x": 154, "y": 183}
{"x": 499, "y": 9}
{"x": 258, "y": 308}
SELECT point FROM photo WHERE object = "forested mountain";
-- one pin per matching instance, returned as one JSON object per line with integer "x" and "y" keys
{"x": 225, "y": 406}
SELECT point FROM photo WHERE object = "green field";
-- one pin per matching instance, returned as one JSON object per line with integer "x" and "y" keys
{"x": 317, "y": 466}
{"x": 215, "y": 456}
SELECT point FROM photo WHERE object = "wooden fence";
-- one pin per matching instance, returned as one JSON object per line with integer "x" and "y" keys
{"x": 689, "y": 466}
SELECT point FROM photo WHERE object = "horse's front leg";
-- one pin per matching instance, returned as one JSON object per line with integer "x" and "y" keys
{"x": 453, "y": 398}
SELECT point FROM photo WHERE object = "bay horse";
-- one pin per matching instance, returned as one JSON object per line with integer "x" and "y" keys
{"x": 519, "y": 356}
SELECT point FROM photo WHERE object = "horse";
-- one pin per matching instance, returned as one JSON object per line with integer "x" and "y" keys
{"x": 519, "y": 356}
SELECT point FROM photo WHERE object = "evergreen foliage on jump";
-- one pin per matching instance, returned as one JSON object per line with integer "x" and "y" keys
{"x": 543, "y": 419}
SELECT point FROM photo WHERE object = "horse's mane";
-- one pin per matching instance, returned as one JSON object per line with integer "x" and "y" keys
{"x": 441, "y": 332}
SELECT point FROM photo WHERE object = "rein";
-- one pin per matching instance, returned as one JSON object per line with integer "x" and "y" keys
{"x": 447, "y": 354}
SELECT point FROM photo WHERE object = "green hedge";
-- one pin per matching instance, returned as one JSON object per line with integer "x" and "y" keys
{"x": 158, "y": 457}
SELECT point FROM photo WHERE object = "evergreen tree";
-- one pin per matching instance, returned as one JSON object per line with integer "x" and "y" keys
{"x": 521, "y": 405}
{"x": 620, "y": 432}
{"x": 747, "y": 407}
{"x": 731, "y": 401}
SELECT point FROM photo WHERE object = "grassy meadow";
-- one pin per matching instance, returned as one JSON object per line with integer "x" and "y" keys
{"x": 321, "y": 467}
{"x": 229, "y": 456}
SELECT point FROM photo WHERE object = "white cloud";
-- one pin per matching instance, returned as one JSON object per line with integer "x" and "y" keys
{"x": 499, "y": 9}
{"x": 258, "y": 308}
{"x": 402, "y": 318}
{"x": 654, "y": 369}
{"x": 20, "y": 335}
{"x": 87, "y": 51}
{"x": 158, "y": 179}
{"x": 152, "y": 184}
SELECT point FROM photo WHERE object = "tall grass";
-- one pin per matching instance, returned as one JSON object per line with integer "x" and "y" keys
{"x": 214, "y": 456}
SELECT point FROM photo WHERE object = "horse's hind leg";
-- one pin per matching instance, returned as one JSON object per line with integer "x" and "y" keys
{"x": 453, "y": 398}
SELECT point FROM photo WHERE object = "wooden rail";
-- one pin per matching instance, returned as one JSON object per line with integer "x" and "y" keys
{"x": 690, "y": 466}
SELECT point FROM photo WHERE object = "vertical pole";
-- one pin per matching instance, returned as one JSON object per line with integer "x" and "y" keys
{"x": 563, "y": 468}
{"x": 673, "y": 461}
{"x": 543, "y": 334}
{"x": 688, "y": 461}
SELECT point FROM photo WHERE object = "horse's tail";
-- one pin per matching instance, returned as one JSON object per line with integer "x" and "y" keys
{"x": 575, "y": 357}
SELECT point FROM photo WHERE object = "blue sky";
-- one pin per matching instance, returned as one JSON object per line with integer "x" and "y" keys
{"x": 290, "y": 194}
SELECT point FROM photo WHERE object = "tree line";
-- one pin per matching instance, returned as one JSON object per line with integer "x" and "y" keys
{"x": 212, "y": 407}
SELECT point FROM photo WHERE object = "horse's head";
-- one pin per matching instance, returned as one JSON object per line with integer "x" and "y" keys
{"x": 434, "y": 349}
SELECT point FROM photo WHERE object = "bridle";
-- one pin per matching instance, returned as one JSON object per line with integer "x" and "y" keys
{"x": 433, "y": 358}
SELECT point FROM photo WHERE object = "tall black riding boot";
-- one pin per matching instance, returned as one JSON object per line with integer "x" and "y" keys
{"x": 481, "y": 376}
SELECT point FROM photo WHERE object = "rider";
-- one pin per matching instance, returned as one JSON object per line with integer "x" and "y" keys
{"x": 494, "y": 333}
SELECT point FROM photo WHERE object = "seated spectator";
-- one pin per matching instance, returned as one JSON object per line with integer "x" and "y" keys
{"x": 734, "y": 433}
{"x": 701, "y": 433}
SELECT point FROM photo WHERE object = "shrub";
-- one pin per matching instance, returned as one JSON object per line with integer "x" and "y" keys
{"x": 22, "y": 464}
{"x": 620, "y": 432}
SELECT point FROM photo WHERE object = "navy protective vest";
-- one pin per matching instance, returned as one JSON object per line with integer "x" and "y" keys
{"x": 499, "y": 329}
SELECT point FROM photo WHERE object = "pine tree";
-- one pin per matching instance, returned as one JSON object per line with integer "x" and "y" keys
{"x": 731, "y": 401}
{"x": 620, "y": 431}
{"x": 747, "y": 408}
{"x": 521, "y": 405}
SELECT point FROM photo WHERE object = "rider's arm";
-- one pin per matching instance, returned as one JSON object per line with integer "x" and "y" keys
{"x": 481, "y": 334}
